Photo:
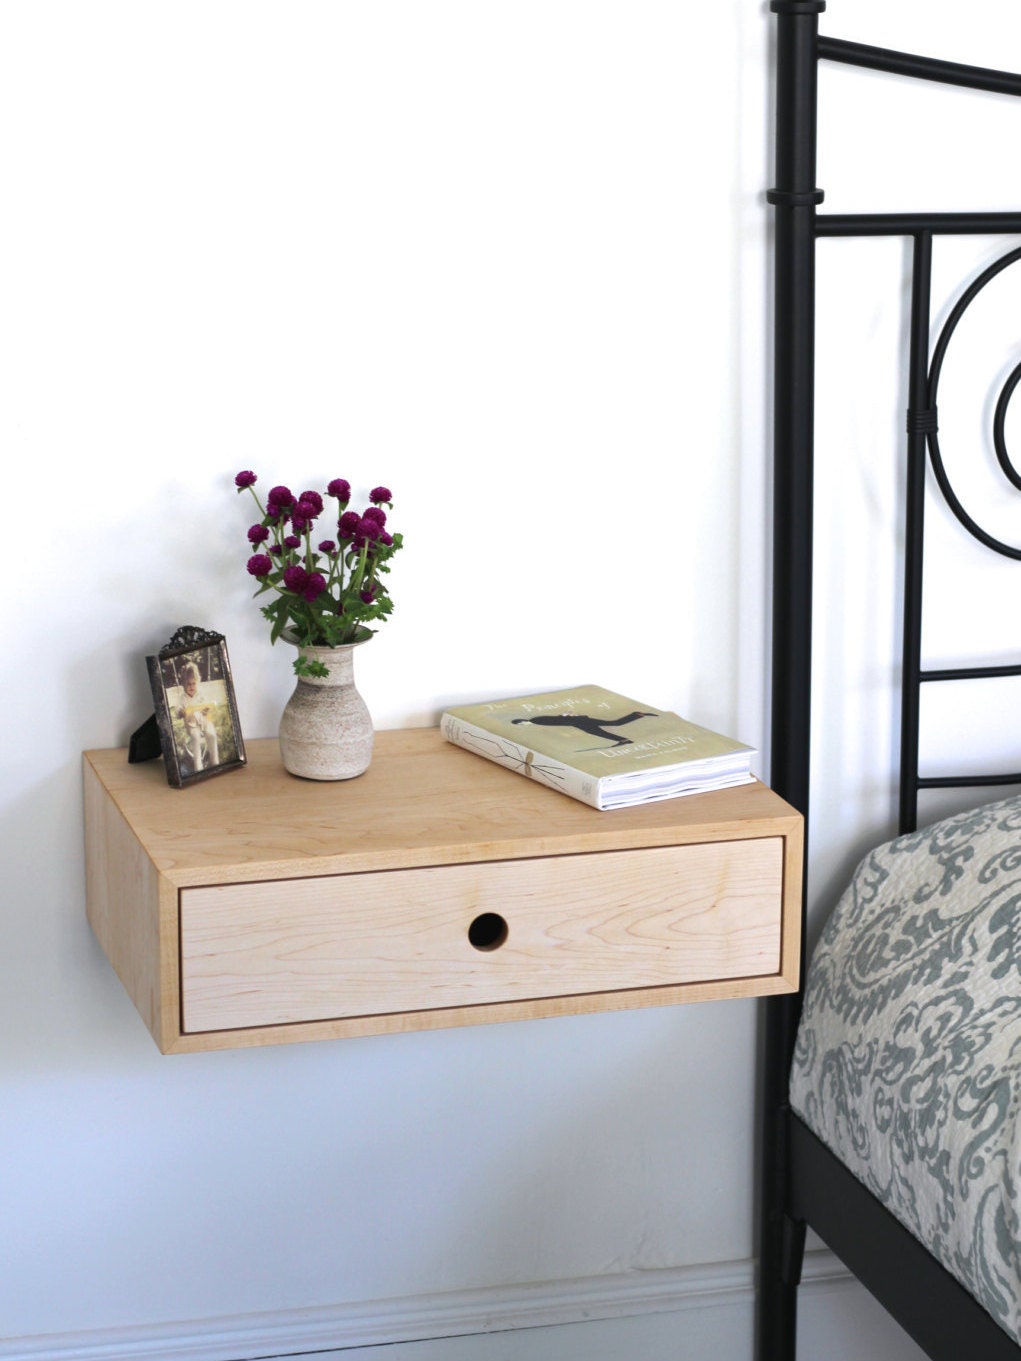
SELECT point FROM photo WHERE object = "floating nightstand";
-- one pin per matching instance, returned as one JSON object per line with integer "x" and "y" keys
{"x": 434, "y": 890}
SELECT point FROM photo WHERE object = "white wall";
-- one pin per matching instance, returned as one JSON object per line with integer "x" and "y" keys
{"x": 454, "y": 247}
{"x": 512, "y": 261}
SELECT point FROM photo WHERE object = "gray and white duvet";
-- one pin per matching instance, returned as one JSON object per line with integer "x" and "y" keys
{"x": 908, "y": 1059}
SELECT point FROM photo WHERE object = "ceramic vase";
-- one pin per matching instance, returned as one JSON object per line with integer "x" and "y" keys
{"x": 326, "y": 728}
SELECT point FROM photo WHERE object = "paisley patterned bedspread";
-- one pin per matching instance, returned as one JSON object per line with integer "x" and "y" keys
{"x": 908, "y": 1059}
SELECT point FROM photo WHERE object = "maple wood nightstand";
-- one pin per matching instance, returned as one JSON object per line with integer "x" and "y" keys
{"x": 434, "y": 890}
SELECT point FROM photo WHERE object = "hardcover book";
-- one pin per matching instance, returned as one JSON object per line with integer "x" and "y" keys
{"x": 600, "y": 747}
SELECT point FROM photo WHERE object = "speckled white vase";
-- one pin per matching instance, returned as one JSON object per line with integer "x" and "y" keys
{"x": 326, "y": 728}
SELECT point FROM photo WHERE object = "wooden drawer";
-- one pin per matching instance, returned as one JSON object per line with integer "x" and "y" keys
{"x": 470, "y": 935}
{"x": 434, "y": 890}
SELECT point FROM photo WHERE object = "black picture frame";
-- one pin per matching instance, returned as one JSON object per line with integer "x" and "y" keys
{"x": 195, "y": 707}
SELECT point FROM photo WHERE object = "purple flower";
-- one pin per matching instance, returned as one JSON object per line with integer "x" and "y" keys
{"x": 296, "y": 579}
{"x": 315, "y": 585}
{"x": 349, "y": 558}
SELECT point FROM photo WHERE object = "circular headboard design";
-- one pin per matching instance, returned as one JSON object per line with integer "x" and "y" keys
{"x": 999, "y": 419}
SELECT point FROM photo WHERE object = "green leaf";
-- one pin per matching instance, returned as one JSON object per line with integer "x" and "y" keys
{"x": 306, "y": 666}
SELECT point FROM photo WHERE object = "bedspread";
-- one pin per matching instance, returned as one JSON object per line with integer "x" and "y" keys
{"x": 908, "y": 1058}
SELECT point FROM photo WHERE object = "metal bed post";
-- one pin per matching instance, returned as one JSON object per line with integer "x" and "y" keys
{"x": 794, "y": 197}
{"x": 921, "y": 418}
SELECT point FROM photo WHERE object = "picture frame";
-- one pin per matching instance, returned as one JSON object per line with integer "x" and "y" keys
{"x": 196, "y": 711}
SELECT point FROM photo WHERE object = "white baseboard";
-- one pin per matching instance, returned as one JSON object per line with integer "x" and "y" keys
{"x": 381, "y": 1322}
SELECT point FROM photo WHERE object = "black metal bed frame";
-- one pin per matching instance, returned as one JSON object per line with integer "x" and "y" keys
{"x": 803, "y": 1184}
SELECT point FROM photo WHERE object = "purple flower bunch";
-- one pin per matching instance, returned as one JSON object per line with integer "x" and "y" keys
{"x": 329, "y": 589}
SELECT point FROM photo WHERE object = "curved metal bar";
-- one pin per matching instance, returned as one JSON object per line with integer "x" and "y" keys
{"x": 935, "y": 456}
{"x": 999, "y": 439}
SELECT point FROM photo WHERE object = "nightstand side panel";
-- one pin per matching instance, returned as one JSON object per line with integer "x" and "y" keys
{"x": 793, "y": 877}
{"x": 123, "y": 903}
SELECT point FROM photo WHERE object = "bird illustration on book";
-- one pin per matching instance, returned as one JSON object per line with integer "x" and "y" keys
{"x": 595, "y": 727}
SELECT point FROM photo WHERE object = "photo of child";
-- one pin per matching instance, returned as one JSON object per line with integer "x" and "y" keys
{"x": 200, "y": 717}
{"x": 195, "y": 710}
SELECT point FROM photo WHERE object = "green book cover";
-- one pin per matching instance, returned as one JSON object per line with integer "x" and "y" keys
{"x": 601, "y": 733}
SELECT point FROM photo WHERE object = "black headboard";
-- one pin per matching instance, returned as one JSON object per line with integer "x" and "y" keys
{"x": 798, "y": 225}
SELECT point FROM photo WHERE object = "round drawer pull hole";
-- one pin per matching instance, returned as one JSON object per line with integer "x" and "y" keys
{"x": 488, "y": 931}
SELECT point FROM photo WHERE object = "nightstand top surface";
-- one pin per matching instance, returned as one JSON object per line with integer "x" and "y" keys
{"x": 422, "y": 801}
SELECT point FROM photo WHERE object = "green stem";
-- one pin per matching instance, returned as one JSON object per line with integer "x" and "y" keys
{"x": 255, "y": 498}
{"x": 358, "y": 572}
